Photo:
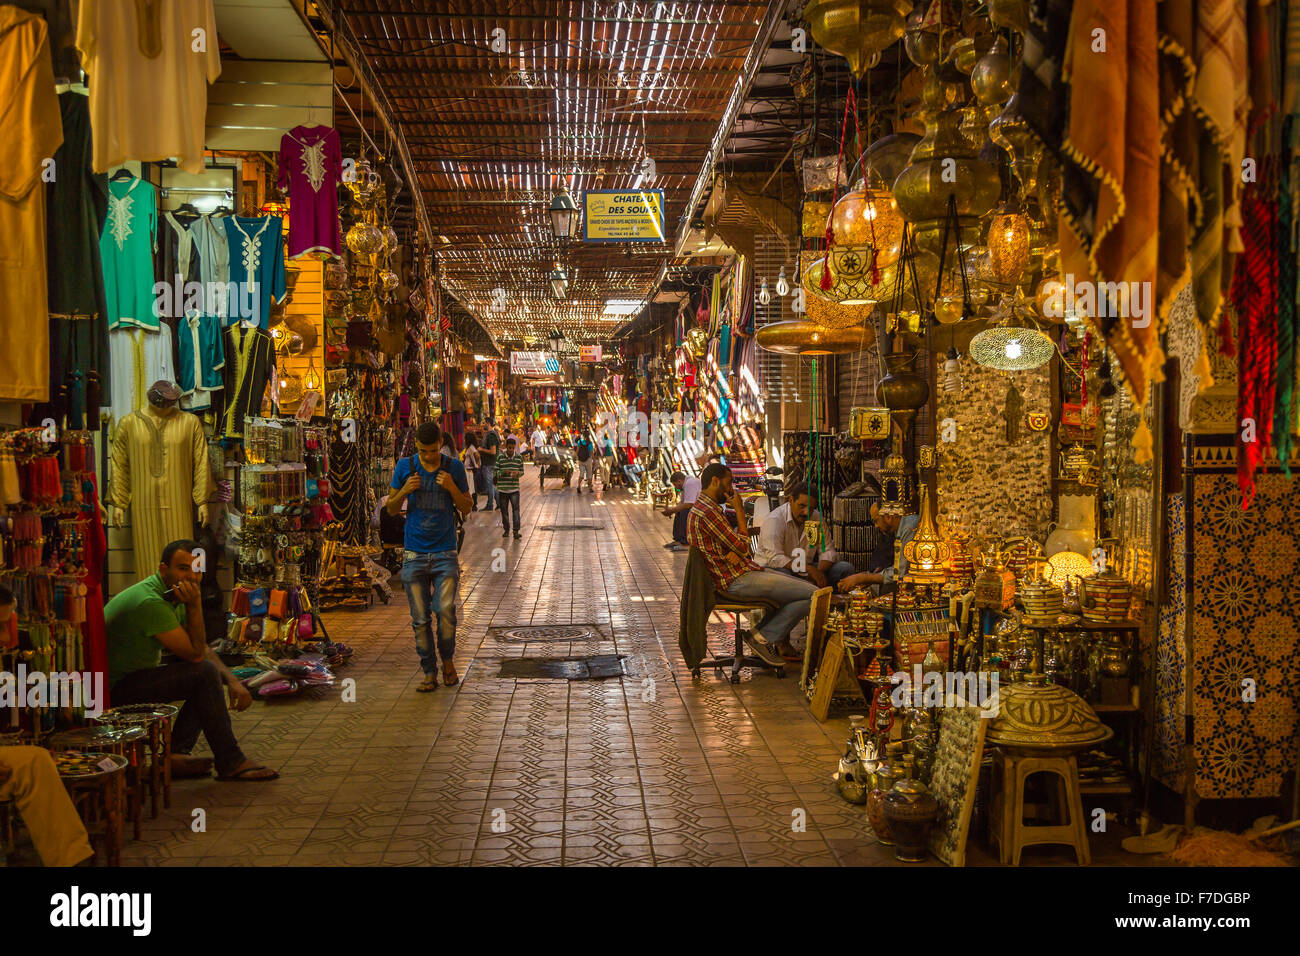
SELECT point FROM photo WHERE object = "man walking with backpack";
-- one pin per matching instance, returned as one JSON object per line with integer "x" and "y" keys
{"x": 434, "y": 487}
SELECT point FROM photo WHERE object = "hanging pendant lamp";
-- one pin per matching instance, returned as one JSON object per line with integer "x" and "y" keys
{"x": 1016, "y": 344}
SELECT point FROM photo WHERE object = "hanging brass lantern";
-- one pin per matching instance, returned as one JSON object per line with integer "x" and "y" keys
{"x": 969, "y": 50}
{"x": 364, "y": 239}
{"x": 1014, "y": 345}
{"x": 869, "y": 217}
{"x": 927, "y": 553}
{"x": 868, "y": 423}
{"x": 1008, "y": 243}
{"x": 897, "y": 485}
{"x": 857, "y": 29}
{"x": 902, "y": 389}
{"x": 1010, "y": 131}
{"x": 944, "y": 164}
{"x": 802, "y": 337}
{"x": 992, "y": 79}
{"x": 835, "y": 315}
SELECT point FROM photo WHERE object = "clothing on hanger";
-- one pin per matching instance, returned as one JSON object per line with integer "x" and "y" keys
{"x": 310, "y": 169}
{"x": 148, "y": 83}
{"x": 31, "y": 119}
{"x": 76, "y": 208}
{"x": 126, "y": 250}
{"x": 257, "y": 276}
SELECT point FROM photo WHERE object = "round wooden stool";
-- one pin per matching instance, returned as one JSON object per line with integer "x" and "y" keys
{"x": 1007, "y": 820}
{"x": 96, "y": 782}
{"x": 127, "y": 741}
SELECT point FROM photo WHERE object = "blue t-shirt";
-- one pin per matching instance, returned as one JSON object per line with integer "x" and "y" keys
{"x": 430, "y": 512}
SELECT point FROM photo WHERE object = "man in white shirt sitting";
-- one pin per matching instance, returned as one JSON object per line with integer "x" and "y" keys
{"x": 689, "y": 486}
{"x": 782, "y": 544}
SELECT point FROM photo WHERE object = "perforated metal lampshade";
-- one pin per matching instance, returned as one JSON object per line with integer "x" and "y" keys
{"x": 1012, "y": 348}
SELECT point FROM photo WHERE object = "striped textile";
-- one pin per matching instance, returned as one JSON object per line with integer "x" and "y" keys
{"x": 1254, "y": 296}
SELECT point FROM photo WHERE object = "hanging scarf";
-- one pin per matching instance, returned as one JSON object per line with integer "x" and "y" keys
{"x": 1286, "y": 305}
{"x": 1179, "y": 202}
{"x": 1254, "y": 296}
{"x": 1220, "y": 105}
{"x": 1110, "y": 194}
{"x": 1041, "y": 96}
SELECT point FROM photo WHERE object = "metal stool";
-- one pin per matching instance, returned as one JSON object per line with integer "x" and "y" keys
{"x": 157, "y": 721}
{"x": 127, "y": 741}
{"x": 1007, "y": 823}
{"x": 736, "y": 606}
{"x": 98, "y": 794}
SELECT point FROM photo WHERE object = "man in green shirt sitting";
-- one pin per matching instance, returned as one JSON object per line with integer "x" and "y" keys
{"x": 507, "y": 469}
{"x": 164, "y": 612}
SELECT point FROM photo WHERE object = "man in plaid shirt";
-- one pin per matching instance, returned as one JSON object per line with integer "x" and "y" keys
{"x": 726, "y": 551}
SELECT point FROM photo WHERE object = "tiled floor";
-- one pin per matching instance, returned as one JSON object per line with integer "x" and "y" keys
{"x": 650, "y": 769}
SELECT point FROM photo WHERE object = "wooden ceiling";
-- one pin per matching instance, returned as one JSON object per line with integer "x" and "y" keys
{"x": 583, "y": 91}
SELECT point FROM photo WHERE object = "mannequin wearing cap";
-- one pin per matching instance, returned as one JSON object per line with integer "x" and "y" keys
{"x": 159, "y": 474}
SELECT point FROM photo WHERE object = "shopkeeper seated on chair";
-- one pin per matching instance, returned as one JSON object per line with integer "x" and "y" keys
{"x": 726, "y": 550}
{"x": 163, "y": 612}
{"x": 783, "y": 546}
{"x": 897, "y": 531}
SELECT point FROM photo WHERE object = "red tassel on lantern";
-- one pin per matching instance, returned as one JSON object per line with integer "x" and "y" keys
{"x": 826, "y": 274}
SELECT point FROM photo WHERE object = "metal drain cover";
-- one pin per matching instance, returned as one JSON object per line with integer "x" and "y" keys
{"x": 563, "y": 668}
{"x": 570, "y": 527}
{"x": 540, "y": 633}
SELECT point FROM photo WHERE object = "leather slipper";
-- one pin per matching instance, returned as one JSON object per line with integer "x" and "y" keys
{"x": 242, "y": 776}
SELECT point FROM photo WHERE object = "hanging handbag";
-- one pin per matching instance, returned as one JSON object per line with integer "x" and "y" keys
{"x": 257, "y": 602}
{"x": 278, "y": 607}
{"x": 239, "y": 601}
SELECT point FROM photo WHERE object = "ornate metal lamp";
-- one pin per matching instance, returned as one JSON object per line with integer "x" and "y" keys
{"x": 857, "y": 29}
{"x": 1014, "y": 345}
{"x": 927, "y": 553}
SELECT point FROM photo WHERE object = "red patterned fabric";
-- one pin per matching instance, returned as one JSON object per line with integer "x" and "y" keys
{"x": 724, "y": 548}
{"x": 1254, "y": 296}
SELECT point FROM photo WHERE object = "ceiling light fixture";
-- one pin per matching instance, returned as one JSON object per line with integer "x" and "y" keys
{"x": 559, "y": 282}
{"x": 564, "y": 217}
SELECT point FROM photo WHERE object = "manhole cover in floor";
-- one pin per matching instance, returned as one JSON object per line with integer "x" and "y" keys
{"x": 569, "y": 527}
{"x": 563, "y": 668}
{"x": 537, "y": 633}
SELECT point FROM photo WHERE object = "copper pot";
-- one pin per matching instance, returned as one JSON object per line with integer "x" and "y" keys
{"x": 910, "y": 810}
{"x": 902, "y": 388}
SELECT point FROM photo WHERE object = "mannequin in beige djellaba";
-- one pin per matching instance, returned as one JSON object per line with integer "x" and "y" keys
{"x": 159, "y": 475}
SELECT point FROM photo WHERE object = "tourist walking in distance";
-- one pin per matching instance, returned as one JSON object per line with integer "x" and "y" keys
{"x": 509, "y": 468}
{"x": 488, "y": 457}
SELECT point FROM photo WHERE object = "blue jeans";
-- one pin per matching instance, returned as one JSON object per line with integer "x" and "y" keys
{"x": 487, "y": 485}
{"x": 838, "y": 571}
{"x": 508, "y": 500}
{"x": 430, "y": 581}
{"x": 793, "y": 595}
